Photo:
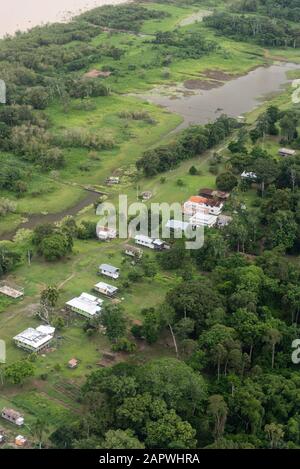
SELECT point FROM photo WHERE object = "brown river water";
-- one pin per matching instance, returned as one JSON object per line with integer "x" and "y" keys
{"x": 24, "y": 14}
{"x": 234, "y": 98}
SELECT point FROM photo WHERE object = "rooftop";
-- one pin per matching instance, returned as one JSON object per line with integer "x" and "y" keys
{"x": 109, "y": 268}
{"x": 287, "y": 151}
{"x": 12, "y": 413}
{"x": 144, "y": 238}
{"x": 197, "y": 199}
{"x": 206, "y": 192}
{"x": 73, "y": 362}
{"x": 87, "y": 303}
{"x": 106, "y": 286}
{"x": 35, "y": 338}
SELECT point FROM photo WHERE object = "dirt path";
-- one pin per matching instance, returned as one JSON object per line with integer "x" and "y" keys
{"x": 62, "y": 284}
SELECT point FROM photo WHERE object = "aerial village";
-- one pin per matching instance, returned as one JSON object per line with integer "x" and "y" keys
{"x": 97, "y": 327}
{"x": 206, "y": 209}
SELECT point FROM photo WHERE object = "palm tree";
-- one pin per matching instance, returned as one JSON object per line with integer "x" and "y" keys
{"x": 39, "y": 429}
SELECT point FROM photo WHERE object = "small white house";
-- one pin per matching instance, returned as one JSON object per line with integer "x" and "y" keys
{"x": 286, "y": 152}
{"x": 105, "y": 289}
{"x": 105, "y": 234}
{"x": 150, "y": 243}
{"x": 12, "y": 416}
{"x": 86, "y": 305}
{"x": 144, "y": 241}
{"x": 109, "y": 271}
{"x": 35, "y": 340}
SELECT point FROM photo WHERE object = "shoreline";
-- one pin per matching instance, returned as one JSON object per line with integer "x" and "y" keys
{"x": 61, "y": 15}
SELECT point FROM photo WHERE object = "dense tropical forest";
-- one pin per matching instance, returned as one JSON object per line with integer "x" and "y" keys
{"x": 201, "y": 340}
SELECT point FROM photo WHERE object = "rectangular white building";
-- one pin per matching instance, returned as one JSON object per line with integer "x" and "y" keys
{"x": 12, "y": 416}
{"x": 35, "y": 340}
{"x": 150, "y": 243}
{"x": 109, "y": 271}
{"x": 86, "y": 305}
{"x": 106, "y": 234}
{"x": 286, "y": 152}
{"x": 105, "y": 289}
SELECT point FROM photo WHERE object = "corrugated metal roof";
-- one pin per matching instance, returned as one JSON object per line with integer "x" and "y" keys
{"x": 109, "y": 268}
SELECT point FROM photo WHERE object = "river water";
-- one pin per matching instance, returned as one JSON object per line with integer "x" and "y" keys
{"x": 24, "y": 14}
{"x": 234, "y": 98}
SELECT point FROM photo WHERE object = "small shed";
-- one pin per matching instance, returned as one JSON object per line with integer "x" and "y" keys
{"x": 146, "y": 195}
{"x": 133, "y": 251}
{"x": 20, "y": 440}
{"x": 73, "y": 363}
{"x": 105, "y": 234}
{"x": 286, "y": 152}
{"x": 112, "y": 180}
{"x": 12, "y": 291}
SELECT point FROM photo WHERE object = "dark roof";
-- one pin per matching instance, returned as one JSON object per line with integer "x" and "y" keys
{"x": 206, "y": 192}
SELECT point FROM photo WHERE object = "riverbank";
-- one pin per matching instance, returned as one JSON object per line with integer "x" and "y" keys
{"x": 203, "y": 100}
{"x": 137, "y": 72}
{"x": 24, "y": 15}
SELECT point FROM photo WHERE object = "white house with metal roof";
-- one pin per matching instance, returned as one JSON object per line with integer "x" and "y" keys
{"x": 86, "y": 305}
{"x": 12, "y": 416}
{"x": 105, "y": 289}
{"x": 150, "y": 243}
{"x": 35, "y": 340}
{"x": 109, "y": 271}
{"x": 105, "y": 234}
{"x": 286, "y": 152}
